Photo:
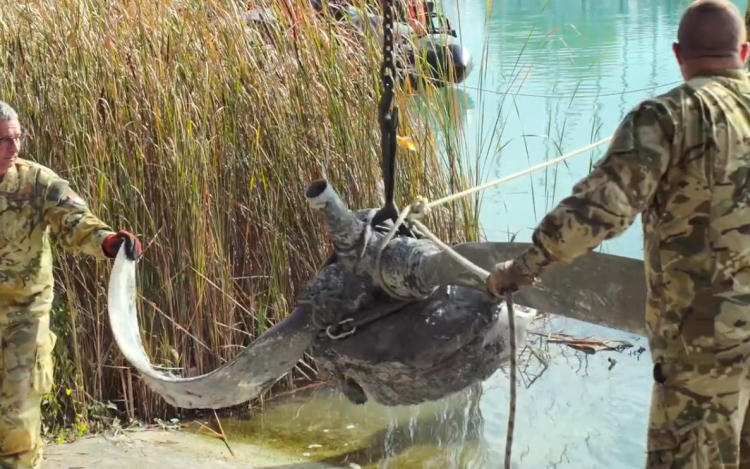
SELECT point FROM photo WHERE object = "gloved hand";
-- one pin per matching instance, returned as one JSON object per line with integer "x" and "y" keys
{"x": 112, "y": 243}
{"x": 508, "y": 277}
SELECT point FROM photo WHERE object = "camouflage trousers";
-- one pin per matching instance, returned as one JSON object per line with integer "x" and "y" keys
{"x": 26, "y": 373}
{"x": 699, "y": 416}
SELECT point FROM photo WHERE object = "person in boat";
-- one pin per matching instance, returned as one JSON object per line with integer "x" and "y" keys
{"x": 411, "y": 12}
{"x": 682, "y": 160}
{"x": 415, "y": 15}
{"x": 34, "y": 204}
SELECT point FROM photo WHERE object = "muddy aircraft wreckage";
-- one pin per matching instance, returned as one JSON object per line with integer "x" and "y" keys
{"x": 393, "y": 315}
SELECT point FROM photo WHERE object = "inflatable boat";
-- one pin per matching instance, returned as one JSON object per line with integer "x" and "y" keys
{"x": 432, "y": 54}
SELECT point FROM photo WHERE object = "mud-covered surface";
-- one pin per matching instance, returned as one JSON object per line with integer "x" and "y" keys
{"x": 166, "y": 450}
{"x": 428, "y": 350}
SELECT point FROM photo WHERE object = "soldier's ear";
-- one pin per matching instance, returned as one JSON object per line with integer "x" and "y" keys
{"x": 744, "y": 48}
{"x": 677, "y": 52}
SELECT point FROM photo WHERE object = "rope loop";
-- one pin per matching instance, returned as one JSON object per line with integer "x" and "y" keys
{"x": 419, "y": 208}
{"x": 351, "y": 330}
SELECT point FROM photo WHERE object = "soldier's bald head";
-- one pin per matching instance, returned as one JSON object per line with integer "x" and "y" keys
{"x": 711, "y": 29}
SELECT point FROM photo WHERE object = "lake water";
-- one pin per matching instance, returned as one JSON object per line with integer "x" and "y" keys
{"x": 571, "y": 70}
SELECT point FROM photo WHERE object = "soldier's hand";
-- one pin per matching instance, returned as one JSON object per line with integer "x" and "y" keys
{"x": 112, "y": 244}
{"x": 508, "y": 277}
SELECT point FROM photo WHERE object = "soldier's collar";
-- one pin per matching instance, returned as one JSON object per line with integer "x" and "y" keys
{"x": 737, "y": 73}
{"x": 9, "y": 182}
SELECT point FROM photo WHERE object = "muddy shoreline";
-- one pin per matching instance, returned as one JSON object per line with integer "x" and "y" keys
{"x": 169, "y": 449}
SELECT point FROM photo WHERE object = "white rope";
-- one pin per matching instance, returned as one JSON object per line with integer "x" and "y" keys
{"x": 526, "y": 171}
{"x": 475, "y": 269}
{"x": 377, "y": 271}
{"x": 420, "y": 207}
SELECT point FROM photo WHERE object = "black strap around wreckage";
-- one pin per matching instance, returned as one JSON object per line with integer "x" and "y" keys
{"x": 341, "y": 328}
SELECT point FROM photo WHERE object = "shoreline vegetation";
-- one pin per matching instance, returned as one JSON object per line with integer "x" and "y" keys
{"x": 174, "y": 119}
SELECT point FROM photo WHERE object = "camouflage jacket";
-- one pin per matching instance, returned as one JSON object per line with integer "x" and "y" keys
{"x": 682, "y": 160}
{"x": 34, "y": 203}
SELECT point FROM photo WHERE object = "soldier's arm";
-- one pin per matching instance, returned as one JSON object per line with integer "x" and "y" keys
{"x": 72, "y": 224}
{"x": 606, "y": 202}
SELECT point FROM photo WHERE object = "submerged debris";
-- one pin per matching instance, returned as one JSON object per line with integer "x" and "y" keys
{"x": 587, "y": 345}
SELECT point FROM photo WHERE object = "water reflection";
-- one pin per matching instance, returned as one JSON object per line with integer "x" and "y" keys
{"x": 325, "y": 428}
{"x": 445, "y": 109}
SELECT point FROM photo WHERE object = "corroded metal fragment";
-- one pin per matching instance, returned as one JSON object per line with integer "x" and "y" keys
{"x": 440, "y": 333}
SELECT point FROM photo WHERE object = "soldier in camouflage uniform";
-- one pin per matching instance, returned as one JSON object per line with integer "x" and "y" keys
{"x": 34, "y": 204}
{"x": 682, "y": 160}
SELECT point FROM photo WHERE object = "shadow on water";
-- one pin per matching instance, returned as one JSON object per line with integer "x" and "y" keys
{"x": 323, "y": 427}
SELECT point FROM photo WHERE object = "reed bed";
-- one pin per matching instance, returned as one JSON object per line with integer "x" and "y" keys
{"x": 180, "y": 122}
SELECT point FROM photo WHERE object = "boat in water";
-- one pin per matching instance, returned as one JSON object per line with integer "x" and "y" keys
{"x": 427, "y": 47}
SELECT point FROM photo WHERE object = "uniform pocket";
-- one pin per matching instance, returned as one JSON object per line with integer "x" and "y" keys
{"x": 732, "y": 330}
{"x": 43, "y": 371}
{"x": 676, "y": 430}
{"x": 666, "y": 446}
{"x": 692, "y": 420}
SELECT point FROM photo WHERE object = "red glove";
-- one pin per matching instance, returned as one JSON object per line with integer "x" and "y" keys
{"x": 112, "y": 243}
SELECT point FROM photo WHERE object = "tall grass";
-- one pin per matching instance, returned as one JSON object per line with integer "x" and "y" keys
{"x": 177, "y": 122}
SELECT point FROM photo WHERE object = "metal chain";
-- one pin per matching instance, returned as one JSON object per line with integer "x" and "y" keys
{"x": 388, "y": 119}
{"x": 387, "y": 113}
{"x": 388, "y": 44}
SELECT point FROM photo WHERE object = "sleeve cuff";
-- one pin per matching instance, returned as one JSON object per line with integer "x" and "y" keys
{"x": 99, "y": 237}
{"x": 535, "y": 260}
